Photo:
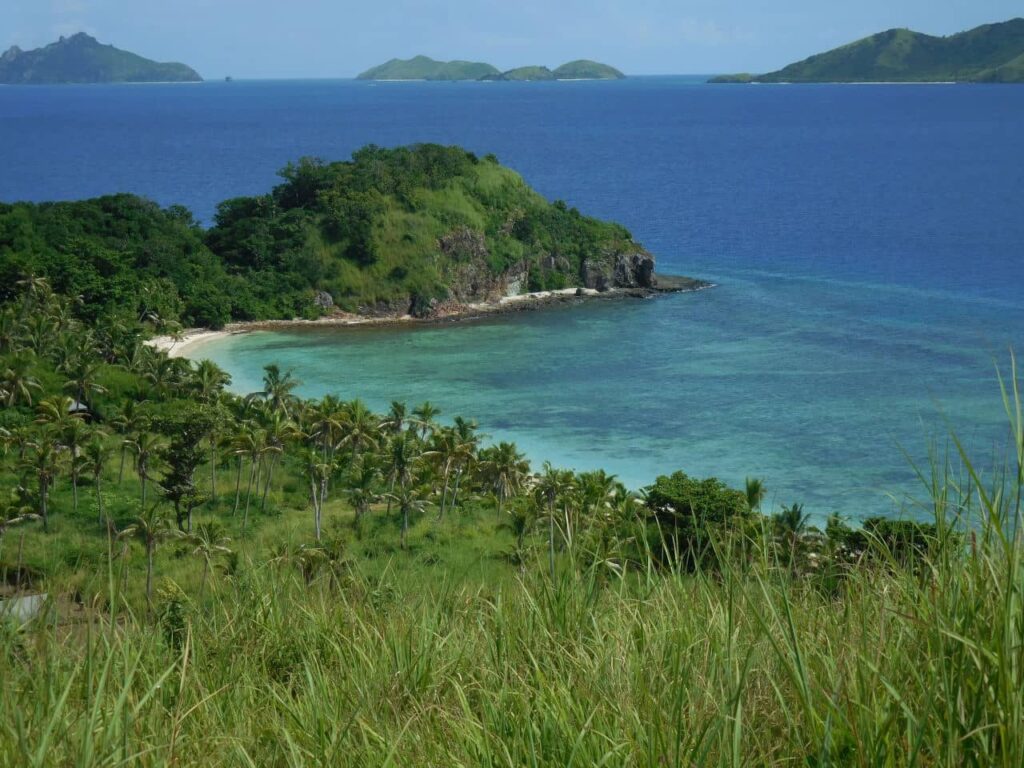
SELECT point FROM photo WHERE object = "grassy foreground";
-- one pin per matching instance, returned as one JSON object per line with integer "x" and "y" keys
{"x": 744, "y": 667}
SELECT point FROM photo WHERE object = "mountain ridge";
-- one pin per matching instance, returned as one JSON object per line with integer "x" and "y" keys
{"x": 81, "y": 59}
{"x": 989, "y": 53}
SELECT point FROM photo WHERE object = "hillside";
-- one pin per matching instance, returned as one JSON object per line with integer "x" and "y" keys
{"x": 990, "y": 53}
{"x": 425, "y": 68}
{"x": 419, "y": 230}
{"x": 82, "y": 59}
{"x": 524, "y": 74}
{"x": 584, "y": 69}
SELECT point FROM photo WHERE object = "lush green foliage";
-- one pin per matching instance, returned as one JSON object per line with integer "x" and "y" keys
{"x": 81, "y": 59}
{"x": 339, "y": 587}
{"x": 393, "y": 230}
{"x": 990, "y": 53}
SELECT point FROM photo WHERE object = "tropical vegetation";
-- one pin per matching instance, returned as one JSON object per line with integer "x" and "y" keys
{"x": 268, "y": 580}
{"x": 393, "y": 231}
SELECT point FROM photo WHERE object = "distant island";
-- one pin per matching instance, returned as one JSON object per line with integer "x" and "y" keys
{"x": 993, "y": 53}
{"x": 426, "y": 68}
{"x": 82, "y": 59}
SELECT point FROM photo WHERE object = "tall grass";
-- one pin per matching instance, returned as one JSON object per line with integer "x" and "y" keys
{"x": 747, "y": 665}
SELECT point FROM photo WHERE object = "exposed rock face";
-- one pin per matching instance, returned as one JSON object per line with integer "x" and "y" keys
{"x": 619, "y": 270}
{"x": 323, "y": 299}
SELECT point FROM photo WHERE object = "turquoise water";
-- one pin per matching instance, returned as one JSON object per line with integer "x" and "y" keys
{"x": 743, "y": 380}
{"x": 868, "y": 243}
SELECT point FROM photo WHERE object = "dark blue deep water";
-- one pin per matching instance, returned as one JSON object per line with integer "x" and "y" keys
{"x": 868, "y": 243}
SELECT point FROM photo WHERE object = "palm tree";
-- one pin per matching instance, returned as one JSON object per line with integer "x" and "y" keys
{"x": 277, "y": 389}
{"x": 505, "y": 469}
{"x": 791, "y": 523}
{"x": 278, "y": 428}
{"x": 208, "y": 541}
{"x": 82, "y": 380}
{"x": 74, "y": 437}
{"x": 463, "y": 454}
{"x": 209, "y": 381}
{"x": 409, "y": 500}
{"x": 756, "y": 492}
{"x": 150, "y": 528}
{"x": 249, "y": 442}
{"x": 362, "y": 488}
{"x": 43, "y": 461}
{"x": 551, "y": 485}
{"x": 17, "y": 384}
{"x": 97, "y": 454}
{"x": 401, "y": 456}
{"x": 128, "y": 421}
{"x": 425, "y": 417}
{"x": 395, "y": 421}
{"x": 145, "y": 446}
{"x": 317, "y": 472}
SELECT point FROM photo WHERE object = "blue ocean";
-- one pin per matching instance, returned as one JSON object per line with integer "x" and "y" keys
{"x": 867, "y": 243}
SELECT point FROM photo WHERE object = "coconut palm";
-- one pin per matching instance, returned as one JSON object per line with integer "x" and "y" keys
{"x": 402, "y": 454}
{"x": 43, "y": 461}
{"x": 755, "y": 491}
{"x": 82, "y": 375}
{"x": 317, "y": 472}
{"x": 17, "y": 383}
{"x": 362, "y": 484}
{"x": 129, "y": 420}
{"x": 425, "y": 418}
{"x": 145, "y": 445}
{"x": 278, "y": 429}
{"x": 464, "y": 454}
{"x": 409, "y": 500}
{"x": 277, "y": 389}
{"x": 96, "y": 454}
{"x": 150, "y": 528}
{"x": 396, "y": 419}
{"x": 73, "y": 437}
{"x": 208, "y": 542}
{"x": 551, "y": 486}
{"x": 505, "y": 469}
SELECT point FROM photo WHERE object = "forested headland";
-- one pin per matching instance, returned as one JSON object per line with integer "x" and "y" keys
{"x": 413, "y": 230}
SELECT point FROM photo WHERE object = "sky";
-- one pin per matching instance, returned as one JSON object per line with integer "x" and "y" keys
{"x": 340, "y": 38}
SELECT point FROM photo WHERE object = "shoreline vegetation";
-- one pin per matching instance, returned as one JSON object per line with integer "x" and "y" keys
{"x": 425, "y": 231}
{"x": 208, "y": 579}
{"x": 186, "y": 342}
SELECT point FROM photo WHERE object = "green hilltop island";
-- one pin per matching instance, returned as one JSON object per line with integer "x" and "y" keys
{"x": 993, "y": 53}
{"x": 425, "y": 68}
{"x": 82, "y": 59}
{"x": 426, "y": 232}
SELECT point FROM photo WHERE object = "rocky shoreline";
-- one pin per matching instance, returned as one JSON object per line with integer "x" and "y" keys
{"x": 187, "y": 342}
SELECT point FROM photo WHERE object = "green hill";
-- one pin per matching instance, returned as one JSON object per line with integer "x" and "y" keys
{"x": 523, "y": 74}
{"x": 991, "y": 53}
{"x": 425, "y": 68}
{"x": 584, "y": 69}
{"x": 81, "y": 59}
{"x": 416, "y": 230}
